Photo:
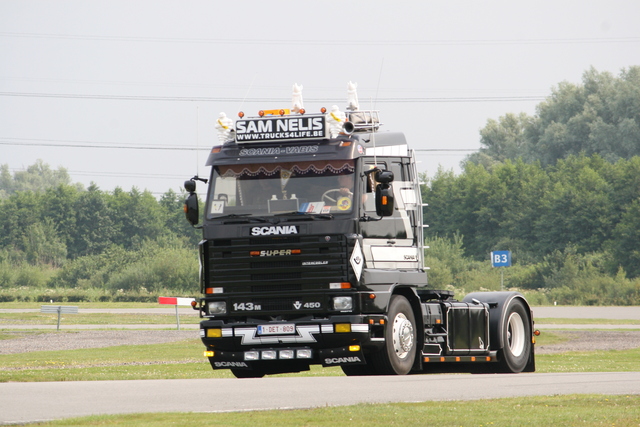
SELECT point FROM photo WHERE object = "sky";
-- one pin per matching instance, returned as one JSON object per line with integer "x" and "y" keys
{"x": 126, "y": 93}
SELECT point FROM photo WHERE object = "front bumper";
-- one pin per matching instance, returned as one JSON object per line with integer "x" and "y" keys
{"x": 343, "y": 340}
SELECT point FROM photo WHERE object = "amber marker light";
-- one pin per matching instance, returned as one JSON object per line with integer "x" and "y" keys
{"x": 296, "y": 251}
{"x": 240, "y": 114}
{"x": 216, "y": 149}
{"x": 214, "y": 333}
{"x": 536, "y": 333}
{"x": 282, "y": 112}
{"x": 372, "y": 296}
{"x": 302, "y": 111}
{"x": 323, "y": 110}
{"x": 261, "y": 113}
{"x": 254, "y": 253}
{"x": 343, "y": 327}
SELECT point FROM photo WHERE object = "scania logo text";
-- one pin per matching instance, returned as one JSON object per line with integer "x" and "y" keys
{"x": 231, "y": 365}
{"x": 275, "y": 229}
{"x": 336, "y": 360}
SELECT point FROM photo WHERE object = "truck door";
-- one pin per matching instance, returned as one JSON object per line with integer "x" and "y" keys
{"x": 389, "y": 243}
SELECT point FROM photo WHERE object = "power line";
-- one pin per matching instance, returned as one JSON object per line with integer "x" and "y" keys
{"x": 91, "y": 144}
{"x": 447, "y": 149}
{"x": 342, "y": 42}
{"x": 94, "y": 144}
{"x": 266, "y": 100}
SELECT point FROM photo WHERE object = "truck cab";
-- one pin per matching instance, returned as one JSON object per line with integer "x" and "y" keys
{"x": 312, "y": 251}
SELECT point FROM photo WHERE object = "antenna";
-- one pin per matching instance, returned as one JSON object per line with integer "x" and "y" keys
{"x": 373, "y": 133}
{"x": 379, "y": 78}
{"x": 197, "y": 140}
{"x": 373, "y": 136}
{"x": 248, "y": 90}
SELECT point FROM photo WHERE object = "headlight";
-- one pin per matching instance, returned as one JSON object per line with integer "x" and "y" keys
{"x": 217, "y": 307}
{"x": 342, "y": 303}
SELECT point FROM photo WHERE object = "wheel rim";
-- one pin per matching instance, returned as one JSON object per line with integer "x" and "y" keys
{"x": 402, "y": 335}
{"x": 515, "y": 334}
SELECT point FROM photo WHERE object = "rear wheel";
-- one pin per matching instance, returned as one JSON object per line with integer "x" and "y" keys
{"x": 516, "y": 338}
{"x": 400, "y": 340}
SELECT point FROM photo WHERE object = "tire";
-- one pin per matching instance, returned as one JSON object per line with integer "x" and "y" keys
{"x": 400, "y": 344}
{"x": 516, "y": 338}
{"x": 247, "y": 373}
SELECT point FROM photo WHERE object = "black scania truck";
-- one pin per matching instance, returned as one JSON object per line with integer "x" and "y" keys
{"x": 312, "y": 253}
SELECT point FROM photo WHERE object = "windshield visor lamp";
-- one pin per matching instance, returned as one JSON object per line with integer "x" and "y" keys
{"x": 342, "y": 303}
{"x": 217, "y": 307}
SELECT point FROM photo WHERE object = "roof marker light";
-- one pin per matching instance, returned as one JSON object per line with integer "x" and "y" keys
{"x": 261, "y": 113}
{"x": 323, "y": 110}
{"x": 240, "y": 114}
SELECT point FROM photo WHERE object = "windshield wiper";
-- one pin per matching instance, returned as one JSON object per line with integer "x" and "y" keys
{"x": 243, "y": 217}
{"x": 306, "y": 215}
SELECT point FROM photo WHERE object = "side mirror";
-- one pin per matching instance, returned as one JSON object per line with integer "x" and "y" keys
{"x": 384, "y": 194}
{"x": 191, "y": 203}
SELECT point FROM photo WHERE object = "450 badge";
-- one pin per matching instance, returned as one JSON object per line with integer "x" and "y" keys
{"x": 300, "y": 305}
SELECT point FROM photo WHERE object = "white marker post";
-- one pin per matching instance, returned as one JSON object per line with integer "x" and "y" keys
{"x": 501, "y": 259}
{"x": 176, "y": 301}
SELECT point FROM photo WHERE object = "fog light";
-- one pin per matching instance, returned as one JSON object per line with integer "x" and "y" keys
{"x": 343, "y": 327}
{"x": 217, "y": 307}
{"x": 286, "y": 354}
{"x": 251, "y": 355}
{"x": 354, "y": 348}
{"x": 209, "y": 353}
{"x": 269, "y": 355}
{"x": 214, "y": 333}
{"x": 304, "y": 353}
{"x": 342, "y": 303}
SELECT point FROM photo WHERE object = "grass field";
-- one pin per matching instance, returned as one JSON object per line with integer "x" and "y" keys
{"x": 184, "y": 359}
{"x": 571, "y": 410}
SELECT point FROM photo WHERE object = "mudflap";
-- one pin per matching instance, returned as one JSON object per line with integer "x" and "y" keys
{"x": 341, "y": 356}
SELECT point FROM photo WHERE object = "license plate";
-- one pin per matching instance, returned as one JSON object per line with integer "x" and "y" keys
{"x": 276, "y": 329}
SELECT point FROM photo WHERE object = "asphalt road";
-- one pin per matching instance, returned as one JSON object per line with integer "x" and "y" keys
{"x": 29, "y": 402}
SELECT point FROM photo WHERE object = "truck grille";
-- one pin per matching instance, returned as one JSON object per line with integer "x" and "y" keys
{"x": 276, "y": 264}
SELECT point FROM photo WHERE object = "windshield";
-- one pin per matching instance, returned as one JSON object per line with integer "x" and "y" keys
{"x": 320, "y": 187}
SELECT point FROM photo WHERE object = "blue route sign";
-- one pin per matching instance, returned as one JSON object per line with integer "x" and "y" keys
{"x": 501, "y": 259}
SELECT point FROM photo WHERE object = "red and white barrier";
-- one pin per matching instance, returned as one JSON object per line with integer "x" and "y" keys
{"x": 175, "y": 301}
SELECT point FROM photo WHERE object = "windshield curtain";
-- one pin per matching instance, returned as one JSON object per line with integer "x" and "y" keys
{"x": 320, "y": 186}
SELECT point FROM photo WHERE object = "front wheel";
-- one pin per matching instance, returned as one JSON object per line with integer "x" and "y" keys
{"x": 516, "y": 338}
{"x": 400, "y": 340}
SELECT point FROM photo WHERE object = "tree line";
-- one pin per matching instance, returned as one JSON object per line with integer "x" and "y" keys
{"x": 560, "y": 190}
{"x": 54, "y": 234}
